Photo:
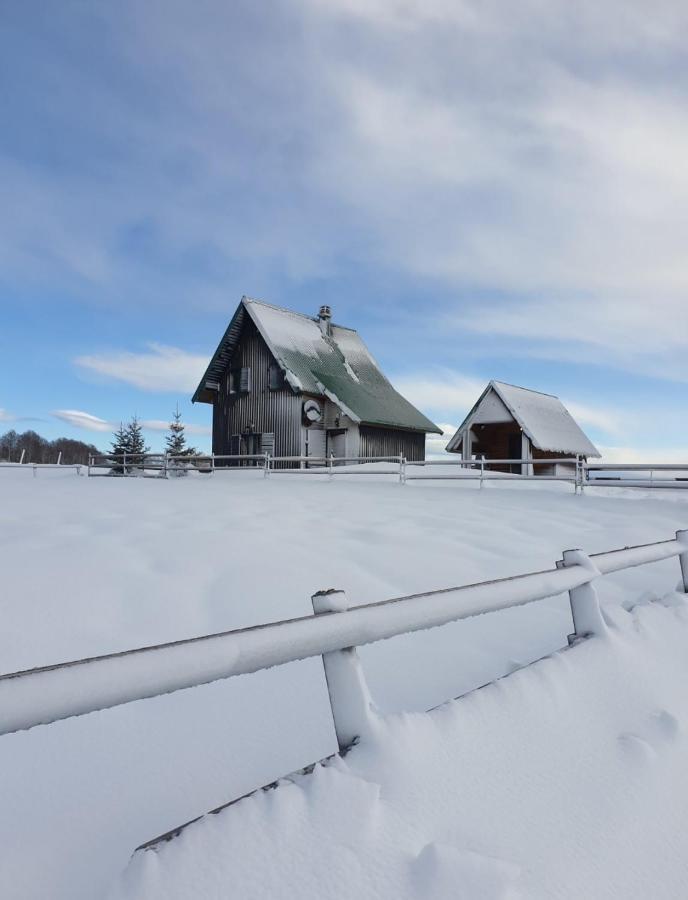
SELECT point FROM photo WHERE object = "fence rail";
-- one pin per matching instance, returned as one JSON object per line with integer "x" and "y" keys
{"x": 580, "y": 473}
{"x": 48, "y": 694}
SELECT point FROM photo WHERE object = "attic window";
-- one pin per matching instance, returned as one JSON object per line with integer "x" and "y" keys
{"x": 240, "y": 380}
{"x": 275, "y": 377}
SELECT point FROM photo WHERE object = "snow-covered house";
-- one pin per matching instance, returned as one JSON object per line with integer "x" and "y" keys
{"x": 510, "y": 422}
{"x": 292, "y": 385}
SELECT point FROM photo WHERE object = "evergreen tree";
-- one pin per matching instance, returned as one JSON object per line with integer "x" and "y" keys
{"x": 175, "y": 442}
{"x": 136, "y": 442}
{"x": 121, "y": 444}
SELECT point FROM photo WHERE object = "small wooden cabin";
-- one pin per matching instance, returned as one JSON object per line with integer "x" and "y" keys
{"x": 510, "y": 422}
{"x": 294, "y": 385}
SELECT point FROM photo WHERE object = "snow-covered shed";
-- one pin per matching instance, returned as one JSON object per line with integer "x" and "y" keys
{"x": 510, "y": 422}
{"x": 294, "y": 385}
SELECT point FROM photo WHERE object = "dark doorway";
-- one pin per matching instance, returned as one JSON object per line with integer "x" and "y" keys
{"x": 515, "y": 451}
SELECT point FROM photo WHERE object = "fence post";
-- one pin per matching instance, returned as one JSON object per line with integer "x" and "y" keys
{"x": 88, "y": 471}
{"x": 34, "y": 469}
{"x": 266, "y": 465}
{"x": 124, "y": 464}
{"x": 482, "y": 469}
{"x": 682, "y": 538}
{"x": 585, "y": 604}
{"x": 329, "y": 464}
{"x": 402, "y": 469}
{"x": 78, "y": 470}
{"x": 212, "y": 462}
{"x": 353, "y": 710}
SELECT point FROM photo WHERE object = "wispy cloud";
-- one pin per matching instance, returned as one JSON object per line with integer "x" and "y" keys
{"x": 441, "y": 389}
{"x": 89, "y": 422}
{"x": 656, "y": 454}
{"x": 6, "y": 416}
{"x": 79, "y": 419}
{"x": 161, "y": 369}
{"x": 161, "y": 425}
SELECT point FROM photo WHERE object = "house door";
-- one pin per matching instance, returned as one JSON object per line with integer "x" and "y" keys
{"x": 251, "y": 446}
{"x": 336, "y": 442}
{"x": 315, "y": 445}
{"x": 514, "y": 447}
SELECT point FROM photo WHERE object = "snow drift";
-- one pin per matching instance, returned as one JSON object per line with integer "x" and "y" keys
{"x": 567, "y": 779}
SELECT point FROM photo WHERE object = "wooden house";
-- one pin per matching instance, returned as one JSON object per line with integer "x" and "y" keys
{"x": 294, "y": 385}
{"x": 510, "y": 422}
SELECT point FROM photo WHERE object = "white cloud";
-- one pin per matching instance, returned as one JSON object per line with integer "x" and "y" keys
{"x": 89, "y": 422}
{"x": 162, "y": 425}
{"x": 435, "y": 444}
{"x": 5, "y": 416}
{"x": 659, "y": 455}
{"x": 161, "y": 369}
{"x": 443, "y": 390}
{"x": 80, "y": 419}
{"x": 610, "y": 422}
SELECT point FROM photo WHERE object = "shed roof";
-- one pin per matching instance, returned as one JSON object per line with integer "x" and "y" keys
{"x": 543, "y": 417}
{"x": 338, "y": 366}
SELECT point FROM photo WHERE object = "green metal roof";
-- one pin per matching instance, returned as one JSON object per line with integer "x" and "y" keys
{"x": 338, "y": 366}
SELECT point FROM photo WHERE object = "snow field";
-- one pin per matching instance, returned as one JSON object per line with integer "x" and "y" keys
{"x": 565, "y": 780}
{"x": 94, "y": 566}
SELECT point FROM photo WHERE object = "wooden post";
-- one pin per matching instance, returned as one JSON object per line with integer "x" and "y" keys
{"x": 682, "y": 538}
{"x": 482, "y": 469}
{"x": 585, "y": 604}
{"x": 329, "y": 463}
{"x": 124, "y": 464}
{"x": 266, "y": 465}
{"x": 353, "y": 710}
{"x": 34, "y": 469}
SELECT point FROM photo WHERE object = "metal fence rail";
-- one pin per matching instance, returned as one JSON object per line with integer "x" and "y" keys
{"x": 47, "y": 694}
{"x": 580, "y": 474}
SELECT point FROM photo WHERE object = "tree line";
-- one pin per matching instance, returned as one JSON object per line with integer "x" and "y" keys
{"x": 40, "y": 450}
{"x": 127, "y": 439}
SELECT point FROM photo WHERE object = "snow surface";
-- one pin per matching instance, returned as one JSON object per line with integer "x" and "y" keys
{"x": 566, "y": 780}
{"x": 90, "y": 566}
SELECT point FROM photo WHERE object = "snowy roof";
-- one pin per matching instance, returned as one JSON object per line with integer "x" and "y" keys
{"x": 338, "y": 366}
{"x": 543, "y": 417}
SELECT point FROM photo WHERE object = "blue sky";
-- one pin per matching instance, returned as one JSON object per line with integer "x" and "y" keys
{"x": 484, "y": 190}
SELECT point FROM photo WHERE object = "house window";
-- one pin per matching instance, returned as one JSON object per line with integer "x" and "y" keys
{"x": 275, "y": 377}
{"x": 240, "y": 380}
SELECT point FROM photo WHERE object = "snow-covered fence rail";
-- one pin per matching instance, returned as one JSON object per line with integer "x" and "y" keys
{"x": 570, "y": 470}
{"x": 635, "y": 475}
{"x": 26, "y": 466}
{"x": 162, "y": 463}
{"x": 43, "y": 695}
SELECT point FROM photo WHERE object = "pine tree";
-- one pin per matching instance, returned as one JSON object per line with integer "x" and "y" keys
{"x": 120, "y": 445}
{"x": 137, "y": 444}
{"x": 175, "y": 442}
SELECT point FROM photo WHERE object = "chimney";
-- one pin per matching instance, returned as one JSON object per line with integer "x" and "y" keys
{"x": 324, "y": 317}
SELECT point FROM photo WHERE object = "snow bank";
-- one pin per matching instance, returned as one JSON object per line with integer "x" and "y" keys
{"x": 565, "y": 780}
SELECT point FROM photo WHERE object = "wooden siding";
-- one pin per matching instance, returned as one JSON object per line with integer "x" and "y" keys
{"x": 493, "y": 441}
{"x": 261, "y": 409}
{"x": 391, "y": 442}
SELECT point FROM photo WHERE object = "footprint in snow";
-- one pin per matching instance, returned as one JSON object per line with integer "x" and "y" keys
{"x": 660, "y": 729}
{"x": 444, "y": 872}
